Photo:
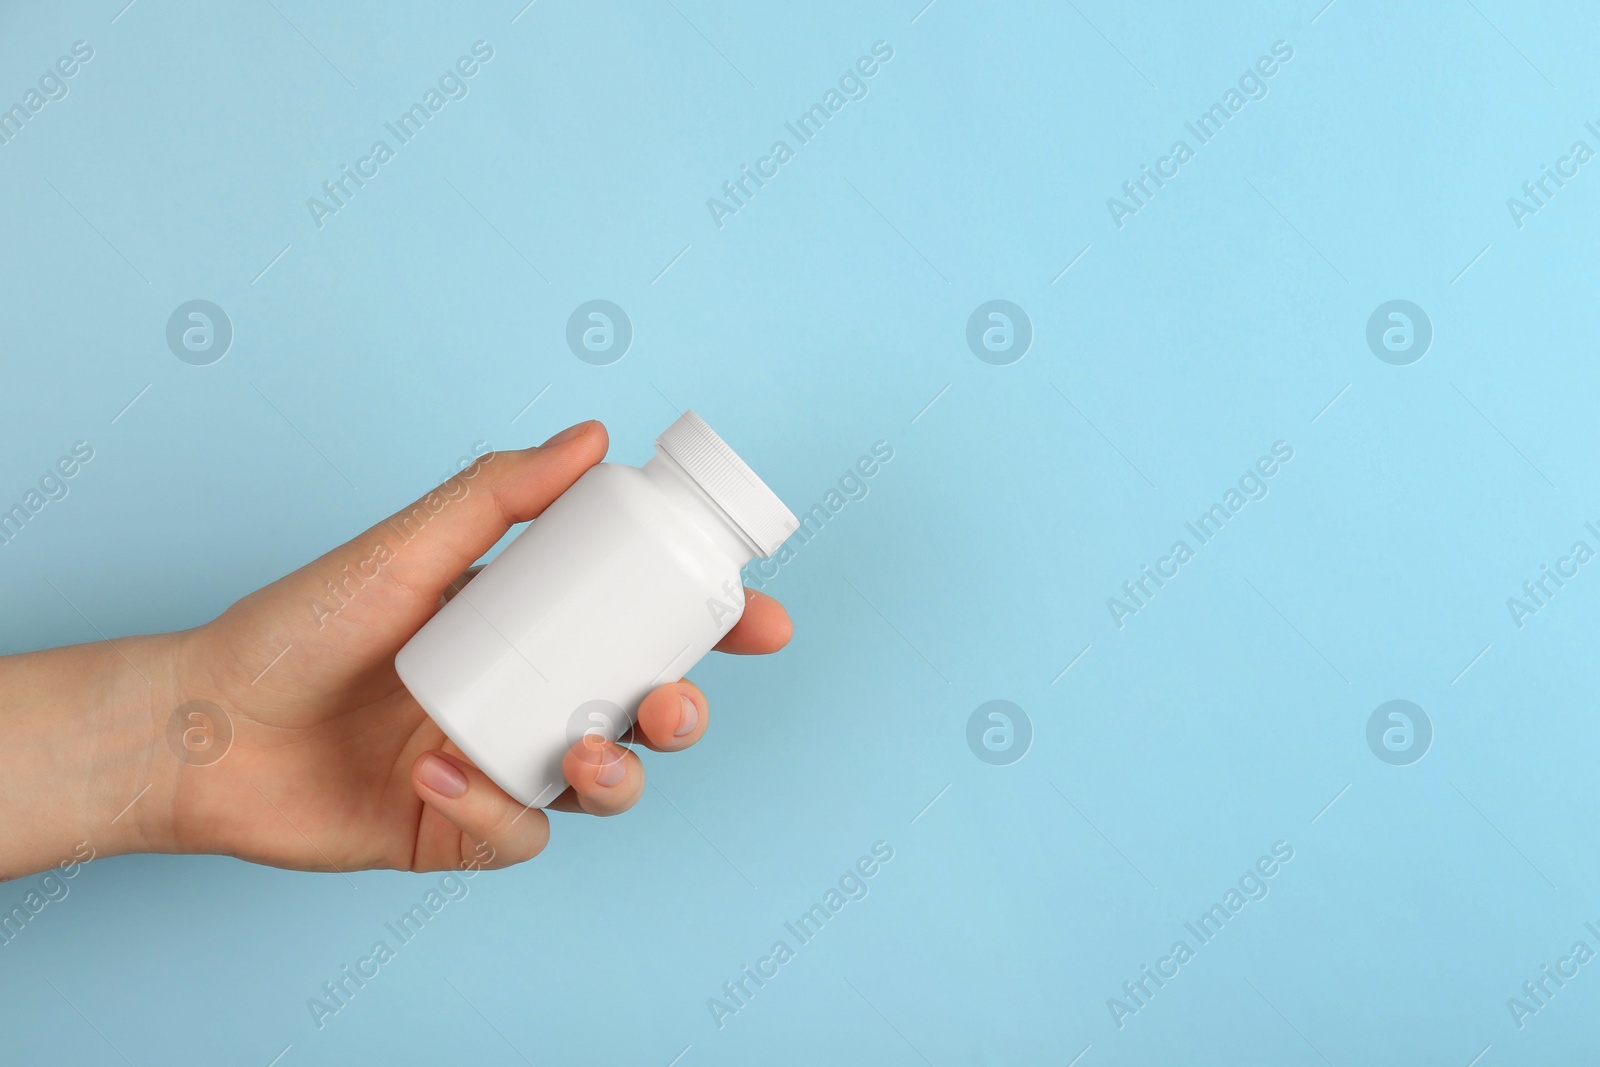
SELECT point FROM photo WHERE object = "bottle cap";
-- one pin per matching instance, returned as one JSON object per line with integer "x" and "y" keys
{"x": 729, "y": 482}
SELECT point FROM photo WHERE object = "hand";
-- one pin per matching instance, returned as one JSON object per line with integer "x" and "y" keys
{"x": 332, "y": 764}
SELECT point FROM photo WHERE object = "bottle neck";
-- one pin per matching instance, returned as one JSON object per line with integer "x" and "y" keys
{"x": 674, "y": 481}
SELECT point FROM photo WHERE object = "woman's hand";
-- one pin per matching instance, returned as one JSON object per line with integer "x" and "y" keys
{"x": 326, "y": 762}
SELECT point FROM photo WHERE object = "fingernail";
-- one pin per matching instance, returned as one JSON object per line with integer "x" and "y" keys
{"x": 566, "y": 435}
{"x": 688, "y": 718}
{"x": 441, "y": 776}
{"x": 612, "y": 769}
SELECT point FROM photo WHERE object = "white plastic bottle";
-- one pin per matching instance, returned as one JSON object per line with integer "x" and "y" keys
{"x": 623, "y": 584}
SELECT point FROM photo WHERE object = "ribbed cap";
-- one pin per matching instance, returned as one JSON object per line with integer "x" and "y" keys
{"x": 729, "y": 481}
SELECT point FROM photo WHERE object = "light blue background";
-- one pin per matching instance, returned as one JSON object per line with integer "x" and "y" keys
{"x": 823, "y": 317}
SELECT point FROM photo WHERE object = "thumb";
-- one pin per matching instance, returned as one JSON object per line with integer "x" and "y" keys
{"x": 397, "y": 570}
{"x": 442, "y": 534}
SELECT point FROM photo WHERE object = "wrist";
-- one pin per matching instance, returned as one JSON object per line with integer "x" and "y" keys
{"x": 88, "y": 768}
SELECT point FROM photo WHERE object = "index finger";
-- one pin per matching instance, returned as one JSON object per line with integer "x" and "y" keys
{"x": 764, "y": 627}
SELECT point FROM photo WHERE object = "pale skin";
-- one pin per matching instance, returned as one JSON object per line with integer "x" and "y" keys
{"x": 333, "y": 766}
